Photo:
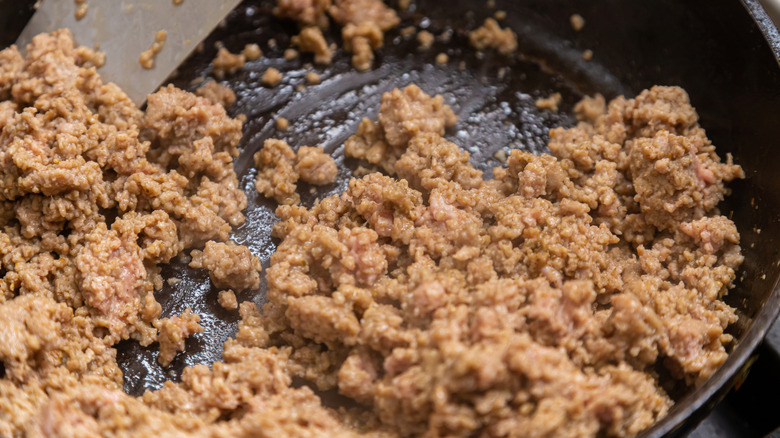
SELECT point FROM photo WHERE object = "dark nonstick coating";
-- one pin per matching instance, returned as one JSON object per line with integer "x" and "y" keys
{"x": 712, "y": 48}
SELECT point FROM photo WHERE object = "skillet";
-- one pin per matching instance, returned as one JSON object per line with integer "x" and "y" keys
{"x": 723, "y": 52}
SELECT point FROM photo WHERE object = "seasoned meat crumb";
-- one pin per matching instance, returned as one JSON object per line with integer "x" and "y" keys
{"x": 311, "y": 40}
{"x": 587, "y": 55}
{"x": 174, "y": 331}
{"x": 226, "y": 63}
{"x": 305, "y": 12}
{"x": 276, "y": 175}
{"x": 358, "y": 12}
{"x": 549, "y": 103}
{"x": 227, "y": 299}
{"x": 279, "y": 169}
{"x": 362, "y": 40}
{"x": 271, "y": 77}
{"x": 230, "y": 265}
{"x": 81, "y": 11}
{"x": 315, "y": 166}
{"x": 425, "y": 39}
{"x": 491, "y": 36}
{"x": 577, "y": 22}
{"x": 147, "y": 57}
{"x": 252, "y": 52}
{"x": 313, "y": 78}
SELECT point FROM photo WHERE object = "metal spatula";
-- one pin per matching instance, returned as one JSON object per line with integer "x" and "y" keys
{"x": 123, "y": 29}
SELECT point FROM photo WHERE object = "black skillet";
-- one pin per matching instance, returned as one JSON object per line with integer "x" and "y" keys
{"x": 723, "y": 52}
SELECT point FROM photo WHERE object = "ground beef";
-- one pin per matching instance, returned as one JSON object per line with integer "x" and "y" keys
{"x": 408, "y": 112}
{"x": 425, "y": 39}
{"x": 305, "y": 12}
{"x": 227, "y": 299}
{"x": 252, "y": 52}
{"x": 279, "y": 169}
{"x": 217, "y": 93}
{"x": 276, "y": 175}
{"x": 491, "y": 36}
{"x": 271, "y": 77}
{"x": 226, "y": 63}
{"x": 544, "y": 300}
{"x": 315, "y": 166}
{"x": 357, "y": 12}
{"x": 549, "y": 103}
{"x": 147, "y": 56}
{"x": 541, "y": 300}
{"x": 229, "y": 265}
{"x": 311, "y": 40}
{"x": 173, "y": 332}
{"x": 362, "y": 39}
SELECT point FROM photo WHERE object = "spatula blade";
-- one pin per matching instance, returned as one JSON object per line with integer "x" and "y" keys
{"x": 123, "y": 29}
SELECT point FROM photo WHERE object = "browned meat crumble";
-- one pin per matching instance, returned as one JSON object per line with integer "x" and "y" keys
{"x": 279, "y": 168}
{"x": 364, "y": 23}
{"x": 229, "y": 265}
{"x": 443, "y": 303}
{"x": 311, "y": 40}
{"x": 226, "y": 63}
{"x": 491, "y": 36}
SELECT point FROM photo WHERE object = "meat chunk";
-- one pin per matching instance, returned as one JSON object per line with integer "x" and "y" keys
{"x": 362, "y": 39}
{"x": 408, "y": 112}
{"x": 491, "y": 36}
{"x": 174, "y": 331}
{"x": 229, "y": 265}
{"x": 311, "y": 40}
{"x": 359, "y": 12}
{"x": 226, "y": 63}
{"x": 276, "y": 175}
{"x": 305, "y": 12}
{"x": 315, "y": 166}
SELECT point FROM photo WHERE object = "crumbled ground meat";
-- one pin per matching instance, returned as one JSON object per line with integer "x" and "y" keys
{"x": 454, "y": 305}
{"x": 315, "y": 166}
{"x": 226, "y": 63}
{"x": 276, "y": 175}
{"x": 305, "y": 12}
{"x": 362, "y": 40}
{"x": 252, "y": 52}
{"x": 174, "y": 331}
{"x": 271, "y": 77}
{"x": 491, "y": 36}
{"x": 229, "y": 265}
{"x": 364, "y": 11}
{"x": 408, "y": 112}
{"x": 147, "y": 56}
{"x": 425, "y": 39}
{"x": 313, "y": 78}
{"x": 577, "y": 22}
{"x": 549, "y": 103}
{"x": 217, "y": 93}
{"x": 311, "y": 40}
{"x": 74, "y": 284}
{"x": 543, "y": 300}
{"x": 227, "y": 299}
{"x": 279, "y": 168}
